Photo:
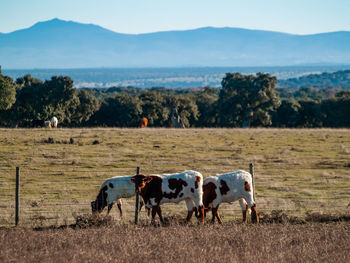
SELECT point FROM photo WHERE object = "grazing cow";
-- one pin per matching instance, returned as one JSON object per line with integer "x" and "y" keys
{"x": 144, "y": 122}
{"x": 229, "y": 188}
{"x": 47, "y": 124}
{"x": 113, "y": 189}
{"x": 171, "y": 188}
{"x": 54, "y": 122}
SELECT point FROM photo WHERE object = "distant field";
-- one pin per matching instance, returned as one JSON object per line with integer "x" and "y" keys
{"x": 296, "y": 170}
{"x": 187, "y": 77}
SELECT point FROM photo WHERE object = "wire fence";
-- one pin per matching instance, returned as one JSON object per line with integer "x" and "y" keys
{"x": 48, "y": 198}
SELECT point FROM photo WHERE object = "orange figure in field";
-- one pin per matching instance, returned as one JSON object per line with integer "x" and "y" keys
{"x": 144, "y": 122}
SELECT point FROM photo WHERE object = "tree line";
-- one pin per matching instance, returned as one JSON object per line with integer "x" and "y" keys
{"x": 242, "y": 101}
{"x": 338, "y": 79}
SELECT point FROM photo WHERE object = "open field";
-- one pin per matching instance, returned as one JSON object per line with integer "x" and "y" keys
{"x": 295, "y": 170}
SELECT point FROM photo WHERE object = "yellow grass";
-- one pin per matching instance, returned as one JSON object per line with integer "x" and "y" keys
{"x": 296, "y": 170}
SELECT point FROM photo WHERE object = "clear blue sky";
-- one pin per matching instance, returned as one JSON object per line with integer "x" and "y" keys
{"x": 141, "y": 16}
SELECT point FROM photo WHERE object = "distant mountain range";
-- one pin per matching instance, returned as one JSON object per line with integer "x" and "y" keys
{"x": 66, "y": 44}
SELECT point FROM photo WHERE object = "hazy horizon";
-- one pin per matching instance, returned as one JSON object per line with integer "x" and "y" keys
{"x": 138, "y": 17}
{"x": 173, "y": 30}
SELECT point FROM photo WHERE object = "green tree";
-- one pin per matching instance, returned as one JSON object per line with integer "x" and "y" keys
{"x": 336, "y": 111}
{"x": 247, "y": 100}
{"x": 207, "y": 102}
{"x": 7, "y": 92}
{"x": 29, "y": 104}
{"x": 85, "y": 108}
{"x": 310, "y": 114}
{"x": 59, "y": 98}
{"x": 36, "y": 100}
{"x": 122, "y": 111}
{"x": 287, "y": 114}
{"x": 155, "y": 108}
{"x": 187, "y": 109}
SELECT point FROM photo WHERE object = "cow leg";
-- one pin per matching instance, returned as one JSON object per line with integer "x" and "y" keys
{"x": 195, "y": 212}
{"x": 119, "y": 205}
{"x": 140, "y": 205}
{"x": 245, "y": 209}
{"x": 213, "y": 211}
{"x": 255, "y": 217}
{"x": 245, "y": 214}
{"x": 189, "y": 215}
{"x": 201, "y": 213}
{"x": 120, "y": 210}
{"x": 154, "y": 212}
{"x": 159, "y": 212}
{"x": 109, "y": 208}
{"x": 190, "y": 207}
{"x": 218, "y": 215}
{"x": 199, "y": 205}
{"x": 206, "y": 210}
{"x": 250, "y": 201}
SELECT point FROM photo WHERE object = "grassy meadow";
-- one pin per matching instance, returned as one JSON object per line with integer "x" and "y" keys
{"x": 296, "y": 170}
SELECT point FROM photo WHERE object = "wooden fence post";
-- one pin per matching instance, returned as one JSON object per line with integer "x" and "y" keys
{"x": 251, "y": 170}
{"x": 17, "y": 197}
{"x": 137, "y": 200}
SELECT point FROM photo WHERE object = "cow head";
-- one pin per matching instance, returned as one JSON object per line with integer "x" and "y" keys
{"x": 101, "y": 200}
{"x": 140, "y": 181}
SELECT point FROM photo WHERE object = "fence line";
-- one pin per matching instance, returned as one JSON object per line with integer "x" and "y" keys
{"x": 46, "y": 209}
{"x": 64, "y": 212}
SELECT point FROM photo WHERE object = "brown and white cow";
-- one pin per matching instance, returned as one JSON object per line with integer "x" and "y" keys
{"x": 113, "y": 189}
{"x": 171, "y": 188}
{"x": 228, "y": 188}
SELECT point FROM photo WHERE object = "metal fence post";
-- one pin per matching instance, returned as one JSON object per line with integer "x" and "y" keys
{"x": 137, "y": 200}
{"x": 17, "y": 197}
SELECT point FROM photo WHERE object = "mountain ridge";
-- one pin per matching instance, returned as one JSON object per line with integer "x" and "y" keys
{"x": 67, "y": 44}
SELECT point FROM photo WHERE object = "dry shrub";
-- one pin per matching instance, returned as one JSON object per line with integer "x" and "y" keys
{"x": 48, "y": 140}
{"x": 91, "y": 220}
{"x": 278, "y": 217}
{"x": 95, "y": 142}
{"x": 38, "y": 220}
{"x": 174, "y": 220}
{"x": 326, "y": 218}
{"x": 51, "y": 140}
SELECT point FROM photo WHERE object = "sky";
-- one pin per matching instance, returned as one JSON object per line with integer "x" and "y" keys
{"x": 144, "y": 16}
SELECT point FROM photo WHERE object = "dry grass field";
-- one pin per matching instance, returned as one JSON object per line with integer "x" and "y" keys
{"x": 228, "y": 243}
{"x": 296, "y": 171}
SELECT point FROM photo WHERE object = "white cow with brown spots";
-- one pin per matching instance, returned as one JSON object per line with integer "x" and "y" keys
{"x": 171, "y": 188}
{"x": 113, "y": 189}
{"x": 228, "y": 188}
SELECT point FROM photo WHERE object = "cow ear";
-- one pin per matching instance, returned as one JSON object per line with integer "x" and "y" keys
{"x": 148, "y": 179}
{"x": 132, "y": 179}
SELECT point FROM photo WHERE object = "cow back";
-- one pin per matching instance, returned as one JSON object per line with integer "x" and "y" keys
{"x": 173, "y": 188}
